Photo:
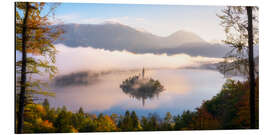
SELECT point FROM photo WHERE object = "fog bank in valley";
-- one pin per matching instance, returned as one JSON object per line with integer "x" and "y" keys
{"x": 69, "y": 60}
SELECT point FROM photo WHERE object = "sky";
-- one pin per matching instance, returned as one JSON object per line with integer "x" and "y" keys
{"x": 161, "y": 20}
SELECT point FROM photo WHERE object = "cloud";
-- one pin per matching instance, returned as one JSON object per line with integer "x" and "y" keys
{"x": 87, "y": 58}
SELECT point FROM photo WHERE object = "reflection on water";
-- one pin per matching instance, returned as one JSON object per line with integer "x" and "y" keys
{"x": 141, "y": 87}
{"x": 185, "y": 89}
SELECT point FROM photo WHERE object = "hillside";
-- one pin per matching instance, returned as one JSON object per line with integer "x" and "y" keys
{"x": 122, "y": 37}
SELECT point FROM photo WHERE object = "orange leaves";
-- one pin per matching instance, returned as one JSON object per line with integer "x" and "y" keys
{"x": 229, "y": 109}
{"x": 39, "y": 34}
{"x": 40, "y": 109}
{"x": 205, "y": 120}
{"x": 38, "y": 37}
{"x": 47, "y": 124}
{"x": 34, "y": 51}
{"x": 243, "y": 115}
{"x": 74, "y": 130}
{"x": 105, "y": 124}
{"x": 209, "y": 122}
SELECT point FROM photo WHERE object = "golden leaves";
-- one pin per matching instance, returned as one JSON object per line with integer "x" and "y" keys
{"x": 47, "y": 124}
{"x": 39, "y": 39}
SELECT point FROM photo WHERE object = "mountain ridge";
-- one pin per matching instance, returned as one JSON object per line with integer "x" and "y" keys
{"x": 123, "y": 37}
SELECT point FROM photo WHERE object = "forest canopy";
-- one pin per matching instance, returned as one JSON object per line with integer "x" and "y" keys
{"x": 227, "y": 110}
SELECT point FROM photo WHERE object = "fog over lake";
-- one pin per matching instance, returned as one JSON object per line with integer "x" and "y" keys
{"x": 106, "y": 70}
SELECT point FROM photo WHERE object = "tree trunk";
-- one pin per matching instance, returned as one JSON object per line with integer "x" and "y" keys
{"x": 251, "y": 68}
{"x": 23, "y": 73}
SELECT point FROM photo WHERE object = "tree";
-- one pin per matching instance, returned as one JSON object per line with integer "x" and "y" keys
{"x": 251, "y": 68}
{"x": 46, "y": 104}
{"x": 135, "y": 121}
{"x": 115, "y": 117}
{"x": 33, "y": 37}
{"x": 144, "y": 122}
{"x": 243, "y": 115}
{"x": 127, "y": 122}
{"x": 63, "y": 122}
{"x": 78, "y": 119}
{"x": 153, "y": 122}
{"x": 168, "y": 117}
{"x": 242, "y": 33}
{"x": 167, "y": 122}
{"x": 81, "y": 111}
{"x": 105, "y": 123}
{"x": 184, "y": 121}
{"x": 23, "y": 71}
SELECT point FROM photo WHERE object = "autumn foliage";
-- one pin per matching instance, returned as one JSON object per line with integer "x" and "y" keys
{"x": 229, "y": 109}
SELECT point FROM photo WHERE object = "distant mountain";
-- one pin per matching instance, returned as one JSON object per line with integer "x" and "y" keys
{"x": 183, "y": 37}
{"x": 122, "y": 37}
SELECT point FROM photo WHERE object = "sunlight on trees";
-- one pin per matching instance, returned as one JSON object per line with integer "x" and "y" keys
{"x": 36, "y": 53}
{"x": 242, "y": 33}
{"x": 227, "y": 110}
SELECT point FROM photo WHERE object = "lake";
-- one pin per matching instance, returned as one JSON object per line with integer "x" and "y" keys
{"x": 185, "y": 89}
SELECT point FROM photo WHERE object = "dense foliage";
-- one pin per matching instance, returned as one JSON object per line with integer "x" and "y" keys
{"x": 229, "y": 109}
{"x": 35, "y": 52}
{"x": 40, "y": 50}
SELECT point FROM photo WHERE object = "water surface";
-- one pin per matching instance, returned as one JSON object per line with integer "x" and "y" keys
{"x": 185, "y": 90}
